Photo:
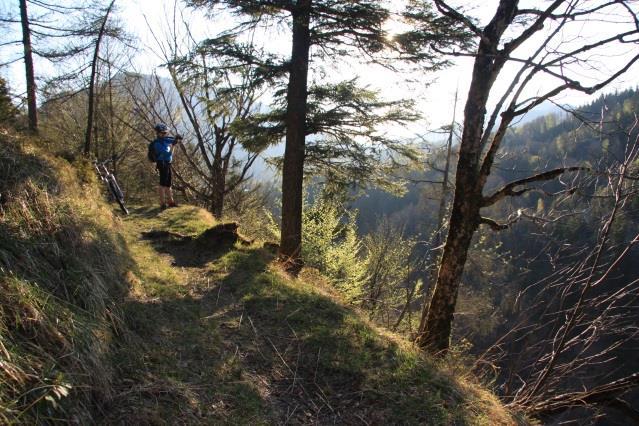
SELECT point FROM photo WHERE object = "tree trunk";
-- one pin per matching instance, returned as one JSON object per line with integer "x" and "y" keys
{"x": 293, "y": 168}
{"x": 28, "y": 67}
{"x": 217, "y": 195}
{"x": 94, "y": 66}
{"x": 430, "y": 274}
{"x": 437, "y": 317}
{"x": 470, "y": 179}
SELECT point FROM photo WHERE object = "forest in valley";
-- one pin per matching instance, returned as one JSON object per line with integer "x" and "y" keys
{"x": 513, "y": 285}
{"x": 507, "y": 245}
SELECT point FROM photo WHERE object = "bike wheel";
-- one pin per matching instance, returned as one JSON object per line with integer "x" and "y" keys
{"x": 122, "y": 206}
{"x": 118, "y": 197}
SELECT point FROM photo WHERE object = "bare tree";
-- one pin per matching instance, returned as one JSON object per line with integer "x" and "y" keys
{"x": 92, "y": 78}
{"x": 507, "y": 39}
{"x": 566, "y": 344}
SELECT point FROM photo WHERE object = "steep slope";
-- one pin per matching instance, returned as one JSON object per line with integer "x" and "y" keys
{"x": 162, "y": 318}
{"x": 62, "y": 268}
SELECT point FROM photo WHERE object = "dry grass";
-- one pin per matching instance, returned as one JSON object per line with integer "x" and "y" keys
{"x": 61, "y": 267}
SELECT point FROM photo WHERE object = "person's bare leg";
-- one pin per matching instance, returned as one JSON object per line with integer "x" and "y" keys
{"x": 162, "y": 196}
{"x": 169, "y": 197}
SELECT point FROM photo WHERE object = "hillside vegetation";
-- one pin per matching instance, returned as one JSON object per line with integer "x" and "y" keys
{"x": 62, "y": 268}
{"x": 154, "y": 319}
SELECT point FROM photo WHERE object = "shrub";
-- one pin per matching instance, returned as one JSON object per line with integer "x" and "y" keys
{"x": 330, "y": 244}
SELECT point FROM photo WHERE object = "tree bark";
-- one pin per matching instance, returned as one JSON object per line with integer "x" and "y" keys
{"x": 430, "y": 275}
{"x": 437, "y": 316}
{"x": 218, "y": 192}
{"x": 32, "y": 109}
{"x": 94, "y": 66}
{"x": 293, "y": 168}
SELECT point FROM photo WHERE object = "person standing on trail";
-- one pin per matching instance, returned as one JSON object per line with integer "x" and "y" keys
{"x": 163, "y": 146}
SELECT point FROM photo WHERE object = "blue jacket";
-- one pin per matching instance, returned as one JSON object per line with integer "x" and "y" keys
{"x": 163, "y": 148}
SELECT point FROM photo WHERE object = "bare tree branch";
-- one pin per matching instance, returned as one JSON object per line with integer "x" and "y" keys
{"x": 509, "y": 190}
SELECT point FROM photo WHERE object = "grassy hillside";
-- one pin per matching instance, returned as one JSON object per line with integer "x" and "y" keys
{"x": 62, "y": 264}
{"x": 155, "y": 319}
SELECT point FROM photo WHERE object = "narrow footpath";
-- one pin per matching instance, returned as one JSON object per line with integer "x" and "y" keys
{"x": 214, "y": 333}
{"x": 178, "y": 365}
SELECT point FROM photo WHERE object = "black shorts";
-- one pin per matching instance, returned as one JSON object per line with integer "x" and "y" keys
{"x": 164, "y": 167}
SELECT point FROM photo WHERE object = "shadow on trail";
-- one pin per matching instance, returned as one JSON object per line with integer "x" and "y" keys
{"x": 252, "y": 348}
{"x": 188, "y": 251}
{"x": 321, "y": 363}
{"x": 176, "y": 366}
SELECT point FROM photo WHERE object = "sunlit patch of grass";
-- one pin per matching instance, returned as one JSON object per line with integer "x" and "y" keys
{"x": 154, "y": 274}
{"x": 187, "y": 220}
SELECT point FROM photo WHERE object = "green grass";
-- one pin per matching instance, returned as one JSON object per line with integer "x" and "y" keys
{"x": 248, "y": 344}
{"x": 320, "y": 351}
{"x": 139, "y": 321}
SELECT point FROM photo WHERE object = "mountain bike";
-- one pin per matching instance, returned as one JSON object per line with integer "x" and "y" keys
{"x": 111, "y": 183}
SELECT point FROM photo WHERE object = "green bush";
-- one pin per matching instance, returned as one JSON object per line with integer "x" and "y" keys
{"x": 8, "y": 111}
{"x": 330, "y": 244}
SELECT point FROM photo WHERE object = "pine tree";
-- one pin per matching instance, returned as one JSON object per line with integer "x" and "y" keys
{"x": 338, "y": 30}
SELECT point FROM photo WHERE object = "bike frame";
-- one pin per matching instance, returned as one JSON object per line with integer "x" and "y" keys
{"x": 111, "y": 183}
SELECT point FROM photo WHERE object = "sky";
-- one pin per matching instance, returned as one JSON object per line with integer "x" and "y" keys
{"x": 148, "y": 20}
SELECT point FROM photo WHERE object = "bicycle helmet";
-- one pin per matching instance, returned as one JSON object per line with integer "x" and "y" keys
{"x": 161, "y": 127}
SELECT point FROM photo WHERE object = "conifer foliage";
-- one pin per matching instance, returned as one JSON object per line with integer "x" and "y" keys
{"x": 330, "y": 244}
{"x": 8, "y": 111}
{"x": 318, "y": 29}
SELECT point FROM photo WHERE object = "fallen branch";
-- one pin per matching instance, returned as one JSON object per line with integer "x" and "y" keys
{"x": 605, "y": 395}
